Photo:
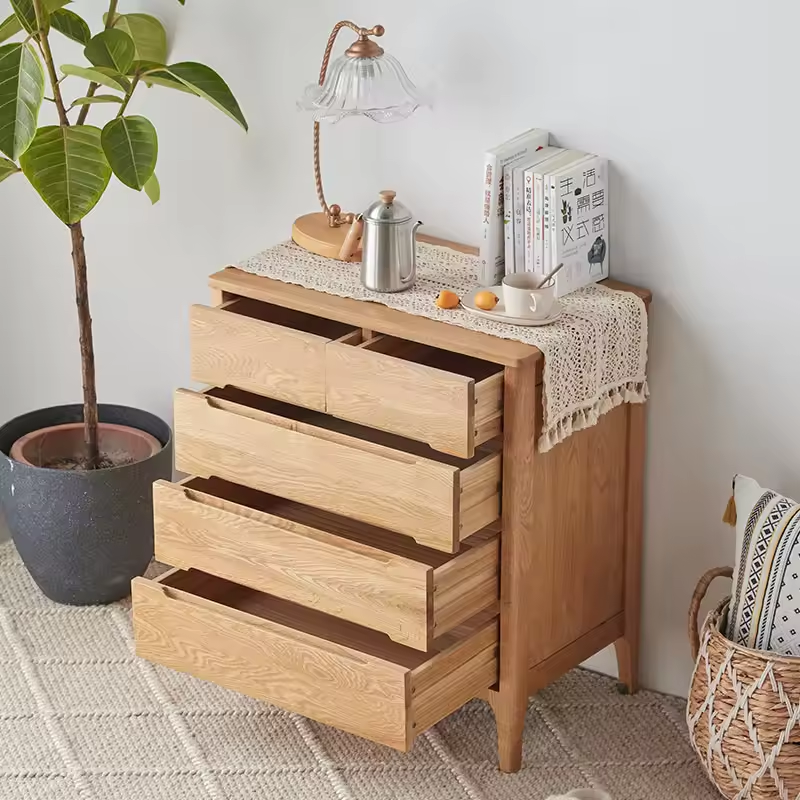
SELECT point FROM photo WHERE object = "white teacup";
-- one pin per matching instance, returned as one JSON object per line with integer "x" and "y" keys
{"x": 522, "y": 296}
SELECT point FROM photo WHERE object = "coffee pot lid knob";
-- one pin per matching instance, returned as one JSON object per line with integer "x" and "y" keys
{"x": 386, "y": 209}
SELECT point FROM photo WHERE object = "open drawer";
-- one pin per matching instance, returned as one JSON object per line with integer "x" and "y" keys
{"x": 263, "y": 348}
{"x": 348, "y": 469}
{"x": 343, "y": 567}
{"x": 307, "y": 662}
{"x": 451, "y": 401}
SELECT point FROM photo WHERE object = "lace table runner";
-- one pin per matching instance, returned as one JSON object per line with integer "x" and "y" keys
{"x": 595, "y": 354}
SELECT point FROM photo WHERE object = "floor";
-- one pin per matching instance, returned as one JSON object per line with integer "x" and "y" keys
{"x": 82, "y": 718}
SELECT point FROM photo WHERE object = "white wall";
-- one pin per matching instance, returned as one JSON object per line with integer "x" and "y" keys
{"x": 694, "y": 102}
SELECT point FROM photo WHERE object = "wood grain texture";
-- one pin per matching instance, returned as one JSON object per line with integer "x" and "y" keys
{"x": 450, "y": 401}
{"x": 374, "y": 317}
{"x": 519, "y": 546}
{"x": 300, "y": 659}
{"x": 313, "y": 232}
{"x": 570, "y": 544}
{"x": 262, "y": 348}
{"x": 217, "y": 297}
{"x": 467, "y": 680}
{"x": 317, "y": 560}
{"x": 401, "y": 395}
{"x": 489, "y": 408}
{"x": 576, "y": 652}
{"x": 479, "y": 497}
{"x": 627, "y": 646}
{"x": 466, "y": 585}
{"x": 346, "y": 475}
{"x": 355, "y": 692}
{"x": 453, "y": 651}
{"x": 579, "y": 517}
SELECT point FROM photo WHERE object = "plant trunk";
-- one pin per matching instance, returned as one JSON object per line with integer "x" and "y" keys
{"x": 87, "y": 347}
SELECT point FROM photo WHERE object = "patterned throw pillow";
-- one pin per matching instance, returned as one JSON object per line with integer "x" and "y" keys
{"x": 765, "y": 607}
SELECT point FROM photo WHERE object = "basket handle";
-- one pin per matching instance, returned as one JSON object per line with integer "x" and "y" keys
{"x": 697, "y": 598}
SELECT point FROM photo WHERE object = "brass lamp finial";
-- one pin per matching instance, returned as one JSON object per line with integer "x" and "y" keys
{"x": 364, "y": 47}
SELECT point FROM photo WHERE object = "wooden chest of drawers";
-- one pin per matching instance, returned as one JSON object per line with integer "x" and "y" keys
{"x": 339, "y": 549}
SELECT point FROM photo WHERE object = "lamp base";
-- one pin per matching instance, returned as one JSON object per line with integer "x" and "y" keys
{"x": 312, "y": 232}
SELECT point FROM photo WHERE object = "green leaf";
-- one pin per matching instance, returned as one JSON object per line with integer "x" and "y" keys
{"x": 131, "y": 147}
{"x": 68, "y": 168}
{"x": 102, "y": 75}
{"x": 9, "y": 27}
{"x": 21, "y": 93}
{"x": 71, "y": 25}
{"x": 163, "y": 79}
{"x": 152, "y": 73}
{"x": 26, "y": 14}
{"x": 113, "y": 49}
{"x": 148, "y": 34}
{"x": 9, "y": 168}
{"x": 203, "y": 81}
{"x": 97, "y": 98}
{"x": 152, "y": 189}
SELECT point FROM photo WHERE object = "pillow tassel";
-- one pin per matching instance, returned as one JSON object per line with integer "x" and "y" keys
{"x": 730, "y": 513}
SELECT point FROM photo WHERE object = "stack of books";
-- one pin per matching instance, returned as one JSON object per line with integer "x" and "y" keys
{"x": 544, "y": 205}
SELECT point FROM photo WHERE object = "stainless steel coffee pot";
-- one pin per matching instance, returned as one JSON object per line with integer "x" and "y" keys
{"x": 389, "y": 246}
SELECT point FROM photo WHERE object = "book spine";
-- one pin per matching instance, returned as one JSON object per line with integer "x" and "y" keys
{"x": 540, "y": 211}
{"x": 519, "y": 221}
{"x": 508, "y": 217}
{"x": 529, "y": 232}
{"x": 487, "y": 269}
{"x": 556, "y": 228}
{"x": 552, "y": 240}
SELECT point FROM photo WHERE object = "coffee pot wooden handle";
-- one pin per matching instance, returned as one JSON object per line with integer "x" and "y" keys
{"x": 352, "y": 240}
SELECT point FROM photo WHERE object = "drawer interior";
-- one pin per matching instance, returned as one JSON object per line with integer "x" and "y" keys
{"x": 312, "y": 622}
{"x": 288, "y": 318}
{"x": 326, "y": 422}
{"x": 433, "y": 357}
{"x": 350, "y": 529}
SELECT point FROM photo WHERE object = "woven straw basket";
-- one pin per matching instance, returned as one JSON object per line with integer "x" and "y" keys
{"x": 743, "y": 711}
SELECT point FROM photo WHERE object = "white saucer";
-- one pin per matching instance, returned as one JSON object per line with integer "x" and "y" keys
{"x": 498, "y": 313}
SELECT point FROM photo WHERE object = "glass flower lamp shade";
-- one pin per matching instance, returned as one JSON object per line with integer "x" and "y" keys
{"x": 365, "y": 81}
{"x": 375, "y": 87}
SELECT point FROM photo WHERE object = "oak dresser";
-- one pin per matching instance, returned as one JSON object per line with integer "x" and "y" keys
{"x": 370, "y": 537}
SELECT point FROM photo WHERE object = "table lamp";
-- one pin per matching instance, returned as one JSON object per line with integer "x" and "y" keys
{"x": 365, "y": 81}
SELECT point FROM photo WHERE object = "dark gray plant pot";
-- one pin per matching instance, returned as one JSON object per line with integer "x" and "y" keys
{"x": 83, "y": 535}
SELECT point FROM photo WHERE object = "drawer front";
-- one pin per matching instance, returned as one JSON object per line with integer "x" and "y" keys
{"x": 301, "y": 660}
{"x": 389, "y": 384}
{"x": 343, "y": 474}
{"x": 349, "y": 570}
{"x": 232, "y": 346}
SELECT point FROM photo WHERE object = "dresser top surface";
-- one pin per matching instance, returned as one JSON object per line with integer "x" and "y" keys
{"x": 375, "y": 316}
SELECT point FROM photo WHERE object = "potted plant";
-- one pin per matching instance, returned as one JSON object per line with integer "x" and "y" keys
{"x": 76, "y": 480}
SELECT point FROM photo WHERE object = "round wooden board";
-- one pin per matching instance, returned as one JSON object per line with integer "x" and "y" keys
{"x": 312, "y": 232}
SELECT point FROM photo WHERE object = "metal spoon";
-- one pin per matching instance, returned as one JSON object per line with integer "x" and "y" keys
{"x": 550, "y": 275}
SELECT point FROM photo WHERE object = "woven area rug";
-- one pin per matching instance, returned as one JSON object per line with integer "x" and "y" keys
{"x": 81, "y": 718}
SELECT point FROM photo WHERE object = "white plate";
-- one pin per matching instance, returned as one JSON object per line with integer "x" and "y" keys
{"x": 498, "y": 313}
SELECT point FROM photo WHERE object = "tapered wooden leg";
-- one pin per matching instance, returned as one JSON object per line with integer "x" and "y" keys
{"x": 628, "y": 664}
{"x": 628, "y": 646}
{"x": 510, "y": 701}
{"x": 510, "y": 718}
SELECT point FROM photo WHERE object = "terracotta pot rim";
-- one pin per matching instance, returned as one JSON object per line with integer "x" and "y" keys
{"x": 17, "y": 449}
